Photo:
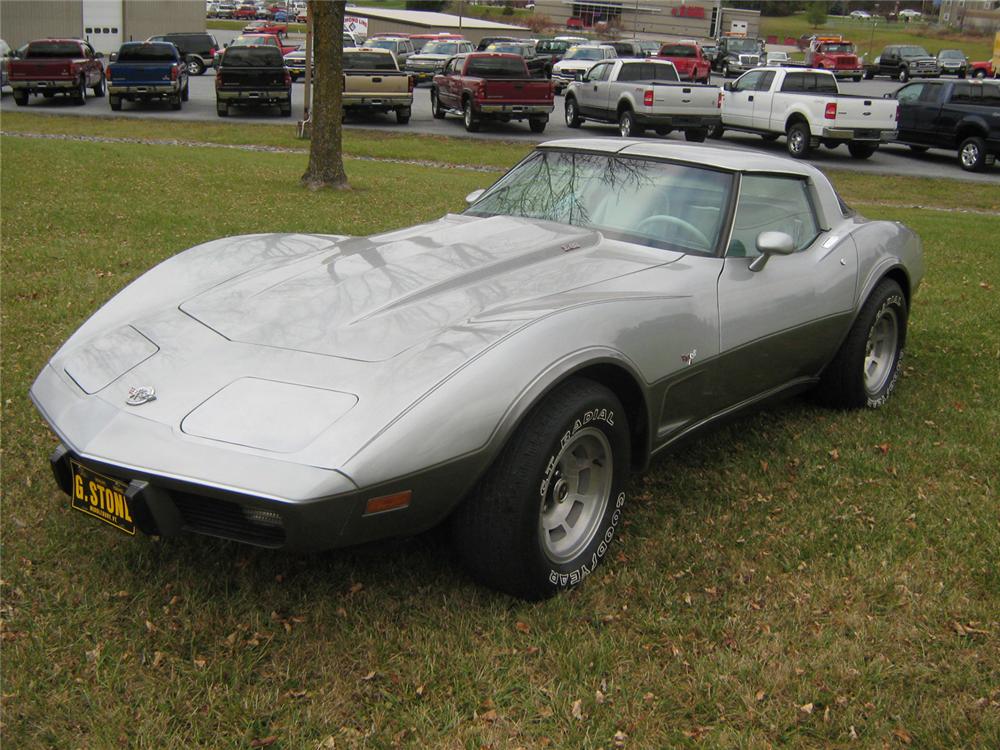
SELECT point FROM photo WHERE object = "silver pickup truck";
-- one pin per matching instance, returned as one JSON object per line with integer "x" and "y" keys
{"x": 639, "y": 93}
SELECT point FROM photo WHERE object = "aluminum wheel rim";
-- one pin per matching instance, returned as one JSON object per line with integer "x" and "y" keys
{"x": 468, "y": 114}
{"x": 970, "y": 154}
{"x": 625, "y": 126}
{"x": 880, "y": 351}
{"x": 577, "y": 495}
{"x": 797, "y": 139}
{"x": 570, "y": 113}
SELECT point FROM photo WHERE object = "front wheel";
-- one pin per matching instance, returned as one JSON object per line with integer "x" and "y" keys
{"x": 469, "y": 117}
{"x": 544, "y": 514}
{"x": 904, "y": 75}
{"x": 115, "y": 102}
{"x": 797, "y": 140}
{"x": 865, "y": 370}
{"x": 99, "y": 88}
{"x": 436, "y": 109}
{"x": 573, "y": 119}
{"x": 537, "y": 124}
{"x": 980, "y": 73}
{"x": 195, "y": 67}
{"x": 972, "y": 154}
{"x": 861, "y": 150}
{"x": 80, "y": 95}
{"x": 20, "y": 97}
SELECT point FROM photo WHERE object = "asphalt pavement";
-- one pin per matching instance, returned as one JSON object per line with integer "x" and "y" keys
{"x": 889, "y": 159}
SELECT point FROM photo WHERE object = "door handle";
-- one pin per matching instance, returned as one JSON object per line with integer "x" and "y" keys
{"x": 750, "y": 98}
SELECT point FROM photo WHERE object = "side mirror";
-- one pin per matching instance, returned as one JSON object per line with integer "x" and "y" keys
{"x": 99, "y": 55}
{"x": 474, "y": 195}
{"x": 729, "y": 85}
{"x": 771, "y": 243}
{"x": 113, "y": 56}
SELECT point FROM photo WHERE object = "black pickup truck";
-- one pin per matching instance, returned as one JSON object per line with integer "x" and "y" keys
{"x": 956, "y": 115}
{"x": 904, "y": 61}
{"x": 252, "y": 76}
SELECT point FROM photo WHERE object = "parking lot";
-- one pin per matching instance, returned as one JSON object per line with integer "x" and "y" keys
{"x": 889, "y": 159}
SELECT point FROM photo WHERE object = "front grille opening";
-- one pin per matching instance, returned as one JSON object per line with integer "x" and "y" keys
{"x": 228, "y": 520}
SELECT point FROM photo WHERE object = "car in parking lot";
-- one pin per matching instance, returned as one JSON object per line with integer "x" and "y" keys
{"x": 431, "y": 59}
{"x": 50, "y": 67}
{"x": 252, "y": 76}
{"x": 505, "y": 369}
{"x": 577, "y": 61}
{"x": 197, "y": 48}
{"x": 145, "y": 72}
{"x": 903, "y": 61}
{"x": 953, "y": 62}
{"x": 400, "y": 47}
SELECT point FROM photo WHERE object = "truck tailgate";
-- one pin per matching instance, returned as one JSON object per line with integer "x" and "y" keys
{"x": 140, "y": 73}
{"x": 516, "y": 91}
{"x": 375, "y": 83}
{"x": 251, "y": 78}
{"x": 864, "y": 113}
{"x": 686, "y": 99}
{"x": 40, "y": 69}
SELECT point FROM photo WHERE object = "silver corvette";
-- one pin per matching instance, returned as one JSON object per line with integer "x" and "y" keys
{"x": 506, "y": 368}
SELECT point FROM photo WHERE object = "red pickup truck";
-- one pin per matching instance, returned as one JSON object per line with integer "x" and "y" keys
{"x": 57, "y": 66}
{"x": 690, "y": 61}
{"x": 491, "y": 86}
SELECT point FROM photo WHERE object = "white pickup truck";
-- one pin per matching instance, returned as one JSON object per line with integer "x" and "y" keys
{"x": 640, "y": 93}
{"x": 808, "y": 109}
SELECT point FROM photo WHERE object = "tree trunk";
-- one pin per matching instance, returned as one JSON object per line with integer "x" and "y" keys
{"x": 326, "y": 161}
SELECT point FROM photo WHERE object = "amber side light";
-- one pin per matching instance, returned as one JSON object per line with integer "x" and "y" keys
{"x": 388, "y": 502}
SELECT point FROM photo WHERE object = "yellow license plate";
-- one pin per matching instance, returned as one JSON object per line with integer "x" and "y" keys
{"x": 101, "y": 497}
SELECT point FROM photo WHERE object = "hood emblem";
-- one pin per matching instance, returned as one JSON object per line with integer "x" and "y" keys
{"x": 569, "y": 246}
{"x": 139, "y": 395}
{"x": 689, "y": 358}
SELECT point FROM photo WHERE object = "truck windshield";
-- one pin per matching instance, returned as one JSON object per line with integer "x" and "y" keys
{"x": 951, "y": 54}
{"x": 496, "y": 67}
{"x": 742, "y": 45}
{"x": 670, "y": 206}
{"x": 913, "y": 52}
{"x": 585, "y": 53}
{"x": 253, "y": 57}
{"x": 53, "y": 49}
{"x": 147, "y": 53}
{"x": 439, "y": 48}
{"x": 368, "y": 61}
{"x": 678, "y": 50}
{"x": 253, "y": 41}
{"x": 841, "y": 48}
{"x": 509, "y": 49}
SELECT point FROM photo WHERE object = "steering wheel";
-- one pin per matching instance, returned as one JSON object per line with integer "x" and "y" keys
{"x": 687, "y": 226}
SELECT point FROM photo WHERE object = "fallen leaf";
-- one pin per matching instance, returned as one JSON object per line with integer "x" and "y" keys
{"x": 577, "y": 710}
{"x": 835, "y": 454}
{"x": 157, "y": 658}
{"x": 200, "y": 663}
{"x": 489, "y": 716}
{"x": 853, "y": 733}
{"x": 370, "y": 676}
{"x": 884, "y": 447}
{"x": 985, "y": 285}
{"x": 522, "y": 627}
{"x": 264, "y": 741}
{"x": 150, "y": 627}
{"x": 760, "y": 695}
{"x": 598, "y": 696}
{"x": 420, "y": 691}
{"x": 296, "y": 694}
{"x": 806, "y": 708}
{"x": 620, "y": 738}
{"x": 330, "y": 743}
{"x": 355, "y": 588}
{"x": 687, "y": 599}
{"x": 902, "y": 735}
{"x": 95, "y": 653}
{"x": 649, "y": 697}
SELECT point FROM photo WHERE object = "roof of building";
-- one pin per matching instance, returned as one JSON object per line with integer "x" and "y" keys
{"x": 430, "y": 19}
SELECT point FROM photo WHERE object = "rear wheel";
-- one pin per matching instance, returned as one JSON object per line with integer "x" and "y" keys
{"x": 663, "y": 130}
{"x": 286, "y": 110}
{"x": 869, "y": 75}
{"x": 436, "y": 109}
{"x": 972, "y": 154}
{"x": 222, "y": 110}
{"x": 716, "y": 131}
{"x": 865, "y": 370}
{"x": 627, "y": 126}
{"x": 697, "y": 135}
{"x": 175, "y": 102}
{"x": 572, "y": 113}
{"x": 543, "y": 516}
{"x": 861, "y": 150}
{"x": 979, "y": 73}
{"x": 115, "y": 102}
{"x": 20, "y": 97}
{"x": 537, "y": 124}
{"x": 402, "y": 115}
{"x": 797, "y": 140}
{"x": 469, "y": 117}
{"x": 856, "y": 79}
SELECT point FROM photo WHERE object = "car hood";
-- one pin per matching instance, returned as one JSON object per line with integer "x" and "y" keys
{"x": 428, "y": 58}
{"x": 372, "y": 298}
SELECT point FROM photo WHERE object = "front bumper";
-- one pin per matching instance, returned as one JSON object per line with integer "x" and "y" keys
{"x": 848, "y": 72}
{"x": 867, "y": 136}
{"x": 422, "y": 74}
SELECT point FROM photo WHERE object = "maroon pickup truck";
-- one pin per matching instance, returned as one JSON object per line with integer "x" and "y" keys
{"x": 57, "y": 66}
{"x": 491, "y": 86}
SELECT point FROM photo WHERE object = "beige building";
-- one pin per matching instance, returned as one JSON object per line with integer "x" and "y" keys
{"x": 651, "y": 19}
{"x": 104, "y": 23}
{"x": 972, "y": 15}
{"x": 370, "y": 21}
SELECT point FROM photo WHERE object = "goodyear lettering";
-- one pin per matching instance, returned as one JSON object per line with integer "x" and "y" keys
{"x": 575, "y": 576}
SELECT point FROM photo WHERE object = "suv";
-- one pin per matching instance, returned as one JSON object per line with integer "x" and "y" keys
{"x": 399, "y": 46}
{"x": 197, "y": 48}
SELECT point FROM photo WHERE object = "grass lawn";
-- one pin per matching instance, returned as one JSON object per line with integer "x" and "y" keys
{"x": 870, "y": 37}
{"x": 801, "y": 578}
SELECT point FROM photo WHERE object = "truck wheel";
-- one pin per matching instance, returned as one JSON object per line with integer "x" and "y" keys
{"x": 865, "y": 369}
{"x": 627, "y": 126}
{"x": 572, "y": 113}
{"x": 856, "y": 79}
{"x": 980, "y": 73}
{"x": 664, "y": 131}
{"x": 175, "y": 102}
{"x": 904, "y": 75}
{"x": 436, "y": 109}
{"x": 20, "y": 97}
{"x": 195, "y": 67}
{"x": 716, "y": 131}
{"x": 797, "y": 140}
{"x": 869, "y": 75}
{"x": 972, "y": 154}
{"x": 99, "y": 88}
{"x": 861, "y": 150}
{"x": 725, "y": 70}
{"x": 697, "y": 135}
{"x": 286, "y": 110}
{"x": 222, "y": 110}
{"x": 80, "y": 96}
{"x": 185, "y": 93}
{"x": 471, "y": 123}
{"x": 543, "y": 516}
{"x": 115, "y": 102}
{"x": 537, "y": 124}
{"x": 402, "y": 115}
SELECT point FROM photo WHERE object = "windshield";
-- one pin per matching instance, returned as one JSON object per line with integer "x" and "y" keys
{"x": 951, "y": 54}
{"x": 382, "y": 44}
{"x": 508, "y": 49}
{"x": 254, "y": 41}
{"x": 914, "y": 52}
{"x": 584, "y": 53}
{"x": 547, "y": 45}
{"x": 440, "y": 48}
{"x": 742, "y": 45}
{"x": 677, "y": 50}
{"x": 844, "y": 48}
{"x": 670, "y": 206}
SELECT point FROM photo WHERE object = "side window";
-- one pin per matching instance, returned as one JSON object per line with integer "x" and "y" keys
{"x": 962, "y": 93}
{"x": 910, "y": 94}
{"x": 628, "y": 71}
{"x": 769, "y": 203}
{"x": 764, "y": 83}
{"x": 599, "y": 72}
{"x": 793, "y": 82}
{"x": 929, "y": 95}
{"x": 610, "y": 53}
{"x": 748, "y": 82}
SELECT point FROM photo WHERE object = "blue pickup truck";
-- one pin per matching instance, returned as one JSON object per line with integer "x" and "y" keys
{"x": 144, "y": 71}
